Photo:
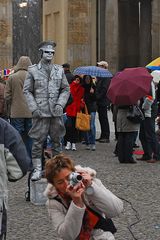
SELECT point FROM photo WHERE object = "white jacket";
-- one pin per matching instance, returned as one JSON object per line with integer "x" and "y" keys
{"x": 147, "y": 104}
{"x": 67, "y": 223}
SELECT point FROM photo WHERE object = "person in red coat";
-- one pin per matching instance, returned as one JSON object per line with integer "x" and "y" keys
{"x": 77, "y": 92}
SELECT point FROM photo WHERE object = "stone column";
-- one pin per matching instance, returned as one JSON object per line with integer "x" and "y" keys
{"x": 155, "y": 29}
{"x": 111, "y": 34}
{"x": 101, "y": 22}
{"x": 79, "y": 32}
{"x": 26, "y": 30}
{"x": 145, "y": 32}
{"x": 128, "y": 33}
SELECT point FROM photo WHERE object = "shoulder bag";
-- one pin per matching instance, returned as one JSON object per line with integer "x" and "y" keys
{"x": 83, "y": 120}
{"x": 135, "y": 114}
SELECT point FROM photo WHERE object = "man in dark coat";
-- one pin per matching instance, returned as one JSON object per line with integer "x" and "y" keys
{"x": 103, "y": 104}
{"x": 70, "y": 77}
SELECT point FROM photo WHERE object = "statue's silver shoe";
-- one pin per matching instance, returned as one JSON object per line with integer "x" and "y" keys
{"x": 36, "y": 175}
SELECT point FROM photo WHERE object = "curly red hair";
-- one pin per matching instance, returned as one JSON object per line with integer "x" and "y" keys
{"x": 55, "y": 164}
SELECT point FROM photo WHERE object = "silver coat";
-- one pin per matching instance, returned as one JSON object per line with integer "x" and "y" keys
{"x": 43, "y": 92}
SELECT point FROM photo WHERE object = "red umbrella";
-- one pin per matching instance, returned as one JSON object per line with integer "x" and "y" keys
{"x": 130, "y": 85}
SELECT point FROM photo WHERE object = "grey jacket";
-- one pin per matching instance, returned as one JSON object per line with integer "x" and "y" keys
{"x": 14, "y": 159}
{"x": 43, "y": 92}
{"x": 67, "y": 224}
{"x": 123, "y": 124}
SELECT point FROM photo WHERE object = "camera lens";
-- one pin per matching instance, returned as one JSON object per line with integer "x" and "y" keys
{"x": 79, "y": 177}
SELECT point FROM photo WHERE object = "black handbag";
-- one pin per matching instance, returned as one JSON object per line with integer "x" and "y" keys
{"x": 106, "y": 224}
{"x": 135, "y": 114}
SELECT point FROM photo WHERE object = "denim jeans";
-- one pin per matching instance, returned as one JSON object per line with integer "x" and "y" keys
{"x": 91, "y": 135}
{"x": 23, "y": 125}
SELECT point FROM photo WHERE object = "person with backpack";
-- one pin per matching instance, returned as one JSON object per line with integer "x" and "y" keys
{"x": 78, "y": 203}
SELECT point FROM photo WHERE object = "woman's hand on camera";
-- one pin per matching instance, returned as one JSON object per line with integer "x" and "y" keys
{"x": 76, "y": 192}
{"x": 87, "y": 179}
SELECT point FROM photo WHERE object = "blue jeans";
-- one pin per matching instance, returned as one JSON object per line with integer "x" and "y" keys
{"x": 23, "y": 125}
{"x": 91, "y": 135}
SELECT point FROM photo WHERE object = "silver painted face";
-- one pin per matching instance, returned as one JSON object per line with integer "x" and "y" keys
{"x": 47, "y": 55}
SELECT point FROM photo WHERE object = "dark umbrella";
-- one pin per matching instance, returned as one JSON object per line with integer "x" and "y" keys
{"x": 92, "y": 71}
{"x": 130, "y": 85}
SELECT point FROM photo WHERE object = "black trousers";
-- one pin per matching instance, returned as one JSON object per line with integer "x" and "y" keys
{"x": 103, "y": 120}
{"x": 148, "y": 139}
{"x": 125, "y": 146}
{"x": 71, "y": 131}
{"x": 3, "y": 224}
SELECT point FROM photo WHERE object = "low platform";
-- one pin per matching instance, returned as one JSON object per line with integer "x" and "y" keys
{"x": 37, "y": 189}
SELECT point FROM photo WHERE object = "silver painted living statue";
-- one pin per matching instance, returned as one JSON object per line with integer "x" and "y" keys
{"x": 46, "y": 90}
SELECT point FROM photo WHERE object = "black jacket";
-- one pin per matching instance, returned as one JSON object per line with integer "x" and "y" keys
{"x": 70, "y": 77}
{"x": 90, "y": 98}
{"x": 101, "y": 91}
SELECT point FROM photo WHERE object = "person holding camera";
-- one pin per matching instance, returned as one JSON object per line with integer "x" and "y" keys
{"x": 78, "y": 203}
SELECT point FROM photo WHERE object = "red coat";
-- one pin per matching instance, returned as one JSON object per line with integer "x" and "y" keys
{"x": 77, "y": 92}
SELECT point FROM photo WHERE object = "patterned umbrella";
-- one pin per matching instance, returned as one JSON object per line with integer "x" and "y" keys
{"x": 92, "y": 71}
{"x": 154, "y": 65}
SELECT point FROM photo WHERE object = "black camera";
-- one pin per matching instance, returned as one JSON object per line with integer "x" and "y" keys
{"x": 75, "y": 178}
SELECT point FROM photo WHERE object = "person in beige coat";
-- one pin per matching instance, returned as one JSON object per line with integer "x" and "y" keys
{"x": 127, "y": 132}
{"x": 3, "y": 110}
{"x": 68, "y": 203}
{"x": 20, "y": 115}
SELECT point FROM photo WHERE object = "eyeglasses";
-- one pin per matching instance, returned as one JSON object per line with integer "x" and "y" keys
{"x": 49, "y": 52}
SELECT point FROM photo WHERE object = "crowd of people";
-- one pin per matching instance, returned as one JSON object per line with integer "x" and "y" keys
{"x": 41, "y": 102}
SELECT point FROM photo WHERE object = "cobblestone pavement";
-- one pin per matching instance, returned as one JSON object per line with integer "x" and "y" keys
{"x": 137, "y": 183}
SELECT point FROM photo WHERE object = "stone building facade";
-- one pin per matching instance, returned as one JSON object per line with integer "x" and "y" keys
{"x": 27, "y": 25}
{"x": 70, "y": 24}
{"x": 5, "y": 34}
{"x": 125, "y": 33}
{"x": 20, "y": 30}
